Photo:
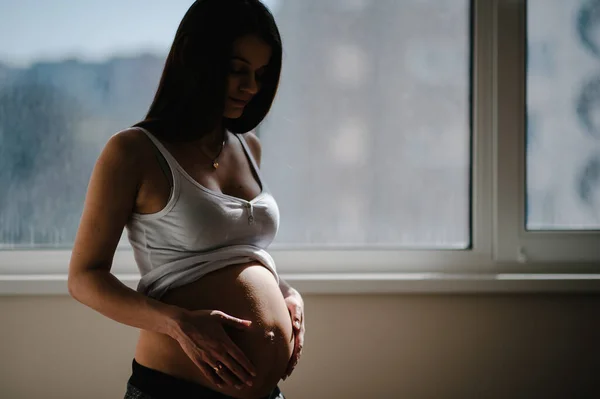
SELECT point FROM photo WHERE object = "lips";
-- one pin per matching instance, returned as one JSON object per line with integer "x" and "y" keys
{"x": 238, "y": 101}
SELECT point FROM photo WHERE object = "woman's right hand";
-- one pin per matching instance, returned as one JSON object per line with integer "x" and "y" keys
{"x": 203, "y": 338}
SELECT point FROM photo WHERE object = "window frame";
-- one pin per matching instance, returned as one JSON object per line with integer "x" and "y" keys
{"x": 503, "y": 257}
{"x": 518, "y": 248}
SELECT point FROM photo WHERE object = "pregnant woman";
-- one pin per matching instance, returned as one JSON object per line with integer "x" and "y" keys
{"x": 215, "y": 319}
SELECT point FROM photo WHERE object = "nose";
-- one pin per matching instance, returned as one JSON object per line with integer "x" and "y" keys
{"x": 249, "y": 84}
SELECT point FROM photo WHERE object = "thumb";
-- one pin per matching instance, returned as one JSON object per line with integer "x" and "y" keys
{"x": 234, "y": 321}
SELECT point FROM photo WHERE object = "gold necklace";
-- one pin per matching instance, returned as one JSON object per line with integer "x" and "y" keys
{"x": 215, "y": 163}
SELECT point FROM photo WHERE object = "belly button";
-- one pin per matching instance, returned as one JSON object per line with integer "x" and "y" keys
{"x": 270, "y": 335}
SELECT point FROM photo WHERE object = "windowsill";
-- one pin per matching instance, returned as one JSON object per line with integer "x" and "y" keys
{"x": 362, "y": 283}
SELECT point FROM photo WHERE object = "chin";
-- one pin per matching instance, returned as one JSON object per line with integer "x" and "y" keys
{"x": 233, "y": 114}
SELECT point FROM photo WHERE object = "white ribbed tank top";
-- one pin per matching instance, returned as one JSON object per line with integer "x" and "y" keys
{"x": 200, "y": 230}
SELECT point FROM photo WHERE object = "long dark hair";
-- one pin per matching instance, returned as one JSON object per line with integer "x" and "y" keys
{"x": 189, "y": 101}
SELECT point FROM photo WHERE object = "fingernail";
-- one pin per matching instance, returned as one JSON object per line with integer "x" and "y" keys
{"x": 239, "y": 386}
{"x": 249, "y": 383}
{"x": 297, "y": 324}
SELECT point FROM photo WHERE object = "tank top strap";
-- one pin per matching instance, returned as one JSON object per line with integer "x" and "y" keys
{"x": 251, "y": 157}
{"x": 167, "y": 163}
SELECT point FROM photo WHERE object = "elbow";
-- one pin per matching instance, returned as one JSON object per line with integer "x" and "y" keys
{"x": 75, "y": 283}
{"x": 72, "y": 285}
{"x": 80, "y": 283}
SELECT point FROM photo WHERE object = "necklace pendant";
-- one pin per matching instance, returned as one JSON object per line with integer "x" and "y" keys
{"x": 215, "y": 164}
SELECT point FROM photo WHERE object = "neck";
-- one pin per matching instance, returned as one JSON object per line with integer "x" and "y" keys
{"x": 212, "y": 140}
{"x": 215, "y": 137}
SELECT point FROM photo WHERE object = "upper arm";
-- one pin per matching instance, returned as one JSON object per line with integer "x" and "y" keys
{"x": 254, "y": 144}
{"x": 109, "y": 202}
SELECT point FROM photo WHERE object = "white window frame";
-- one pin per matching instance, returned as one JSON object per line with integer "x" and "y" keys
{"x": 503, "y": 257}
{"x": 530, "y": 251}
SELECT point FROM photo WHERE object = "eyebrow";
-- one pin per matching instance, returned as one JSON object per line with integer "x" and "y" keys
{"x": 237, "y": 57}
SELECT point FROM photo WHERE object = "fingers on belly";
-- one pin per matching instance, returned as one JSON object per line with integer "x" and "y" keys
{"x": 268, "y": 349}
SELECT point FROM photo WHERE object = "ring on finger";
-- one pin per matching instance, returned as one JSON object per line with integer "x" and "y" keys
{"x": 218, "y": 367}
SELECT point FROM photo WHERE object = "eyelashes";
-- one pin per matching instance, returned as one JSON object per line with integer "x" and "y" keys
{"x": 242, "y": 72}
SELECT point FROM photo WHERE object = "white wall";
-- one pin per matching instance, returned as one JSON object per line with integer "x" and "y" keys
{"x": 403, "y": 346}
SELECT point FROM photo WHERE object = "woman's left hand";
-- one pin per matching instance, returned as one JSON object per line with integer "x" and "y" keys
{"x": 295, "y": 305}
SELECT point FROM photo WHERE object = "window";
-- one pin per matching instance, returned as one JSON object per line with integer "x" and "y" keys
{"x": 349, "y": 159}
{"x": 407, "y": 136}
{"x": 563, "y": 116}
{"x": 548, "y": 69}
{"x": 346, "y": 149}
{"x": 62, "y": 95}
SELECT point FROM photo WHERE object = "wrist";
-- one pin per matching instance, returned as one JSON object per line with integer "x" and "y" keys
{"x": 292, "y": 293}
{"x": 173, "y": 317}
{"x": 286, "y": 289}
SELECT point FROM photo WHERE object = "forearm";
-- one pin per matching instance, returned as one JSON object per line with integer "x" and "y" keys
{"x": 103, "y": 292}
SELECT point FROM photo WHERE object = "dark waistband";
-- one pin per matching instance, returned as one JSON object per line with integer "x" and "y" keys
{"x": 160, "y": 385}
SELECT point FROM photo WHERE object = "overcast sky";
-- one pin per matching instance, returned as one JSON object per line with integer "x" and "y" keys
{"x": 33, "y": 30}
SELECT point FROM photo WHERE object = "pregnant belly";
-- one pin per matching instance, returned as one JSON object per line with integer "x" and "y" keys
{"x": 248, "y": 291}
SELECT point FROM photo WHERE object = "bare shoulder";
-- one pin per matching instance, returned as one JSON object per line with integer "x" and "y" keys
{"x": 129, "y": 145}
{"x": 129, "y": 150}
{"x": 254, "y": 144}
{"x": 124, "y": 160}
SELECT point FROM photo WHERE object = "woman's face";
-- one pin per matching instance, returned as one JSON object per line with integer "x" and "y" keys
{"x": 249, "y": 60}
